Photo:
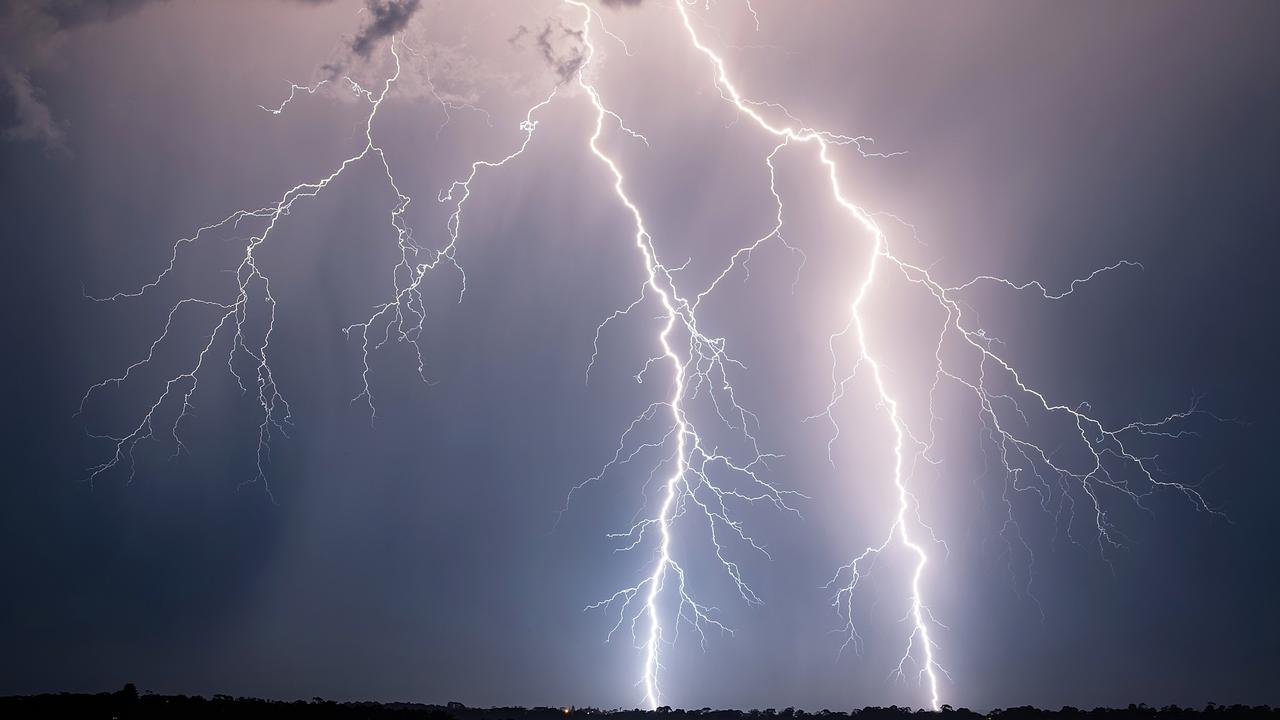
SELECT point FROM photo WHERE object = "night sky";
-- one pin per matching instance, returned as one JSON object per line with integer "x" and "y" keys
{"x": 423, "y": 555}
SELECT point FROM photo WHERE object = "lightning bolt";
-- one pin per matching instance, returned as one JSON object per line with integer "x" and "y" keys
{"x": 698, "y": 363}
{"x": 252, "y": 287}
{"x": 400, "y": 318}
{"x": 1106, "y": 446}
{"x": 699, "y": 367}
{"x": 700, "y": 485}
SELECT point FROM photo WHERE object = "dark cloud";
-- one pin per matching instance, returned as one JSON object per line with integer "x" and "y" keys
{"x": 387, "y": 17}
{"x": 560, "y": 46}
{"x": 30, "y": 33}
{"x": 66, "y": 14}
{"x": 32, "y": 120}
{"x": 620, "y": 3}
{"x": 70, "y": 13}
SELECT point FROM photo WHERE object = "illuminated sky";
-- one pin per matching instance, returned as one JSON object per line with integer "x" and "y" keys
{"x": 420, "y": 558}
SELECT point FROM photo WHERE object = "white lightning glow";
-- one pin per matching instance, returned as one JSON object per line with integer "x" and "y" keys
{"x": 1100, "y": 442}
{"x": 698, "y": 365}
{"x": 701, "y": 485}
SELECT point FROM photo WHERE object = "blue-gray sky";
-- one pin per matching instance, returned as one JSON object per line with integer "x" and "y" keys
{"x": 420, "y": 558}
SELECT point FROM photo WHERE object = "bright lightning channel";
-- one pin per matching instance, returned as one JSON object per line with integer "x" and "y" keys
{"x": 1106, "y": 446}
{"x": 698, "y": 363}
{"x": 699, "y": 368}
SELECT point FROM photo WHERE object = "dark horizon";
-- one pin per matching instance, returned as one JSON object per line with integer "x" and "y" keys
{"x": 130, "y": 703}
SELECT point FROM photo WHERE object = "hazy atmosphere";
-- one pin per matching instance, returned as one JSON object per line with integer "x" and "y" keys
{"x": 427, "y": 518}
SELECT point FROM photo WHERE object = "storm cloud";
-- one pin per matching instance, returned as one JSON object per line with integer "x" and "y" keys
{"x": 560, "y": 46}
{"x": 387, "y": 17}
{"x": 32, "y": 31}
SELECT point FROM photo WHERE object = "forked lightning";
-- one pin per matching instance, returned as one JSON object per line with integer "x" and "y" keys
{"x": 700, "y": 485}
